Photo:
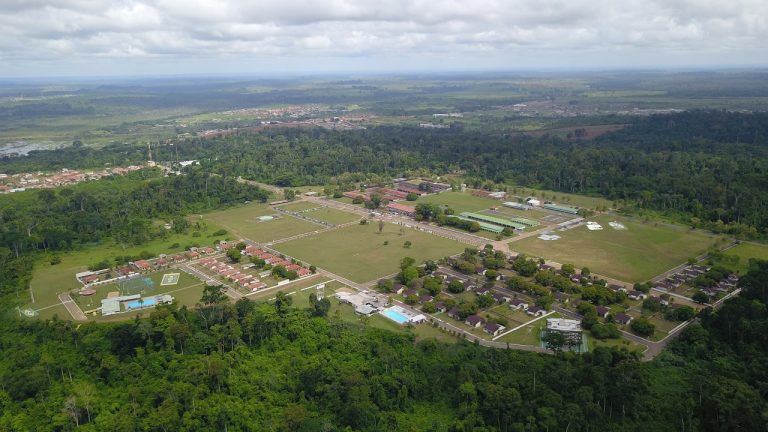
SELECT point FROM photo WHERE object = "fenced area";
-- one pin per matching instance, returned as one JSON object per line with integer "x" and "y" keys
{"x": 136, "y": 285}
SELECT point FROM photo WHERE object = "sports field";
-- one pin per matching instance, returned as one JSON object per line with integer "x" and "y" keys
{"x": 244, "y": 222}
{"x": 187, "y": 290}
{"x": 330, "y": 215}
{"x": 357, "y": 252}
{"x": 460, "y": 201}
{"x": 638, "y": 253}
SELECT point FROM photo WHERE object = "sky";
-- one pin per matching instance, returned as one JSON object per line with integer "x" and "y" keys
{"x": 146, "y": 37}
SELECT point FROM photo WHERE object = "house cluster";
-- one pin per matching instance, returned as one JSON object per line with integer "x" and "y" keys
{"x": 724, "y": 286}
{"x": 525, "y": 306}
{"x": 229, "y": 272}
{"x": 688, "y": 273}
{"x": 20, "y": 182}
{"x": 274, "y": 261}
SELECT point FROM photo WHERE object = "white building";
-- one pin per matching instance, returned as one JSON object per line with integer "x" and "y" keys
{"x": 564, "y": 325}
{"x": 533, "y": 202}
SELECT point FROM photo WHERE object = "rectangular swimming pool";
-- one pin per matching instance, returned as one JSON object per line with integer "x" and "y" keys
{"x": 395, "y": 316}
{"x": 136, "y": 304}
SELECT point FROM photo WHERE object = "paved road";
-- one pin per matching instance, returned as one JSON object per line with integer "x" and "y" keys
{"x": 72, "y": 307}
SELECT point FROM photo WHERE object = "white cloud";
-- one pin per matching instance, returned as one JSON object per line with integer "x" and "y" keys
{"x": 390, "y": 33}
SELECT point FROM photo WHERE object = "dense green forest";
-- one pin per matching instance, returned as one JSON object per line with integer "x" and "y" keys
{"x": 705, "y": 168}
{"x": 249, "y": 366}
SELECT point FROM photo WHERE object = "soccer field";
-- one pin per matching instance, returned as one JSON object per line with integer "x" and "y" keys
{"x": 638, "y": 253}
{"x": 358, "y": 252}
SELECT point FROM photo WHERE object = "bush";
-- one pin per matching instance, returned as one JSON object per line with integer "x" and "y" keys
{"x": 642, "y": 326}
{"x": 55, "y": 260}
{"x": 220, "y": 232}
{"x": 605, "y": 331}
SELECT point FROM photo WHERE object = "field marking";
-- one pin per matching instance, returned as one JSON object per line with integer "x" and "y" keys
{"x": 170, "y": 279}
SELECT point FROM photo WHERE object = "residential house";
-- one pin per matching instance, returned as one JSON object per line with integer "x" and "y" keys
{"x": 602, "y": 311}
{"x": 474, "y": 321}
{"x": 518, "y": 304}
{"x": 493, "y": 328}
{"x": 622, "y": 318}
{"x": 536, "y": 311}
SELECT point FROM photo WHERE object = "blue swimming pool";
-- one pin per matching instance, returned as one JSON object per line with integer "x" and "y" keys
{"x": 136, "y": 304}
{"x": 395, "y": 316}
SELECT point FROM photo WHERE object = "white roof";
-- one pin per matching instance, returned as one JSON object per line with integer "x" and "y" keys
{"x": 563, "y": 324}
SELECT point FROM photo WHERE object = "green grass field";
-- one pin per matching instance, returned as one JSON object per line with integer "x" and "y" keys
{"x": 528, "y": 335}
{"x": 638, "y": 253}
{"x": 47, "y": 280}
{"x": 330, "y": 215}
{"x": 460, "y": 201}
{"x": 358, "y": 252}
{"x": 299, "y": 206}
{"x": 745, "y": 251}
{"x": 243, "y": 222}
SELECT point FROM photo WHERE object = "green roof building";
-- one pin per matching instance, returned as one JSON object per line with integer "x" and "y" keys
{"x": 561, "y": 209}
{"x": 492, "y": 220}
{"x": 485, "y": 226}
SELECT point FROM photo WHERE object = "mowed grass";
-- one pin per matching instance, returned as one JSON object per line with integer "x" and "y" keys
{"x": 745, "y": 251}
{"x": 243, "y": 222}
{"x": 638, "y": 253}
{"x": 48, "y": 281}
{"x": 330, "y": 215}
{"x": 460, "y": 201}
{"x": 358, "y": 252}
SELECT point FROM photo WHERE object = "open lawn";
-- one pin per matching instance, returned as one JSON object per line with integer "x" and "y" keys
{"x": 296, "y": 289}
{"x": 638, "y": 253}
{"x": 745, "y": 251}
{"x": 460, "y": 201}
{"x": 528, "y": 214}
{"x": 358, "y": 252}
{"x": 243, "y": 222}
{"x": 528, "y": 335}
{"x": 333, "y": 216}
{"x": 47, "y": 280}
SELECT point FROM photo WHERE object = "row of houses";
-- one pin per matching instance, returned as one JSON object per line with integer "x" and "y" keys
{"x": 232, "y": 274}
{"x": 690, "y": 272}
{"x": 275, "y": 260}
